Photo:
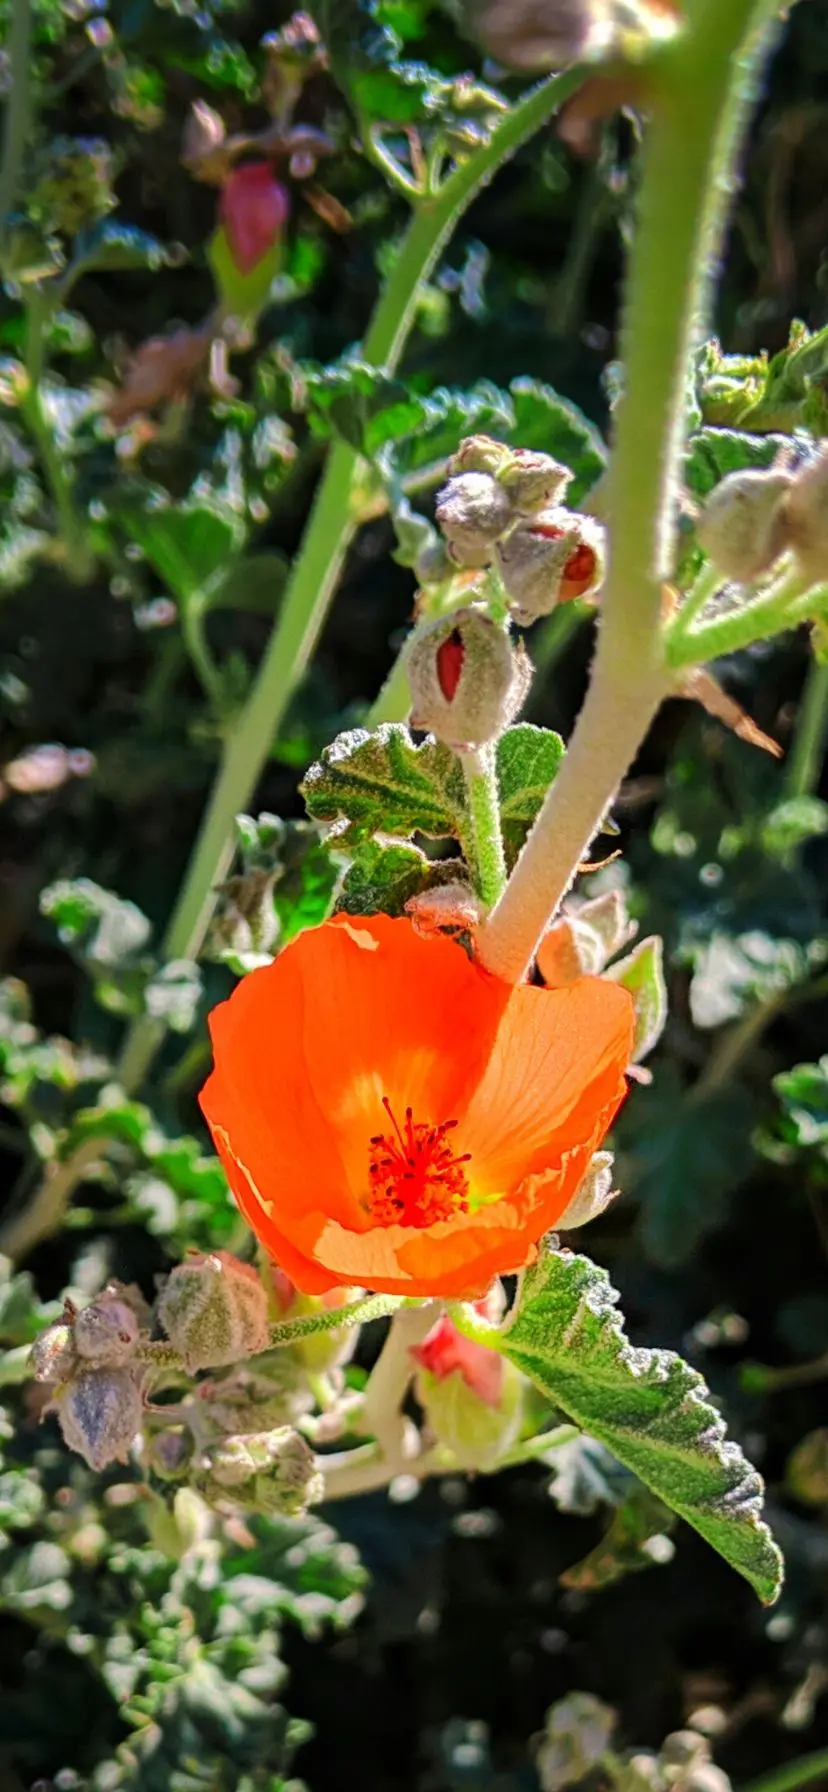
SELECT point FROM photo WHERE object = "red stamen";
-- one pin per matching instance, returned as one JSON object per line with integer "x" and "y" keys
{"x": 415, "y": 1177}
{"x": 451, "y": 654}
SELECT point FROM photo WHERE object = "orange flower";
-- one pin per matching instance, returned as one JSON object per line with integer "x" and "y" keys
{"x": 391, "y": 1115}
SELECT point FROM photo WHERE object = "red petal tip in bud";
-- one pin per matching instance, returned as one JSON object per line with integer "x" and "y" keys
{"x": 253, "y": 209}
{"x": 450, "y": 657}
{"x": 578, "y": 573}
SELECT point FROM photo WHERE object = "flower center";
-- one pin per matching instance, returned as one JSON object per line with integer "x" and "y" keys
{"x": 415, "y": 1176}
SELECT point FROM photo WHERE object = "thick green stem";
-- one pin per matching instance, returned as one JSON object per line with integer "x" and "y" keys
{"x": 394, "y": 701}
{"x": 703, "y": 85}
{"x": 485, "y": 846}
{"x": 16, "y": 120}
{"x": 805, "y": 760}
{"x": 785, "y": 606}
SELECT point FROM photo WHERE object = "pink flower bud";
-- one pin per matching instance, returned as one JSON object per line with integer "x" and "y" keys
{"x": 472, "y": 1396}
{"x": 253, "y": 208}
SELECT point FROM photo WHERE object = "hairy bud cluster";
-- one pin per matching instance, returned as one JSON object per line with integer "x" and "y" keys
{"x": 88, "y": 1359}
{"x": 214, "y": 1310}
{"x": 504, "y": 505}
{"x": 265, "y": 1471}
{"x": 468, "y": 680}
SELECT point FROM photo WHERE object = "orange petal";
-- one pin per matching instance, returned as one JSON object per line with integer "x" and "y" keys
{"x": 557, "y": 1063}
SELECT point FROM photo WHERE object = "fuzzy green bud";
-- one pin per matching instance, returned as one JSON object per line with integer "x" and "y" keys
{"x": 53, "y": 1356}
{"x": 481, "y": 454}
{"x": 106, "y": 1333}
{"x": 100, "y": 1413}
{"x": 742, "y": 527}
{"x": 805, "y": 512}
{"x": 550, "y": 559}
{"x": 266, "y": 1471}
{"x": 534, "y": 481}
{"x": 473, "y": 511}
{"x": 467, "y": 678}
{"x": 214, "y": 1310}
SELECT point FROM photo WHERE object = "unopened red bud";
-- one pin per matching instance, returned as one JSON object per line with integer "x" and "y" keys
{"x": 471, "y": 1395}
{"x": 214, "y": 1310}
{"x": 743, "y": 526}
{"x": 254, "y": 208}
{"x": 450, "y": 656}
{"x": 467, "y": 678}
{"x": 473, "y": 511}
{"x": 550, "y": 559}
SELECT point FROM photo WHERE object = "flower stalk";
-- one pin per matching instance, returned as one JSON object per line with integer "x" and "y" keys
{"x": 702, "y": 86}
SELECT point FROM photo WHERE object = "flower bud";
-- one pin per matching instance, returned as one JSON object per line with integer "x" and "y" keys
{"x": 805, "y": 511}
{"x": 472, "y": 1396}
{"x": 592, "y": 1196}
{"x": 578, "y": 1733}
{"x": 534, "y": 481}
{"x": 214, "y": 1310}
{"x": 467, "y": 679}
{"x": 53, "y": 1357}
{"x": 742, "y": 527}
{"x": 169, "y": 1454}
{"x": 106, "y": 1332}
{"x": 204, "y": 134}
{"x": 267, "y": 1471}
{"x": 481, "y": 454}
{"x": 100, "y": 1414}
{"x": 473, "y": 511}
{"x": 248, "y": 1402}
{"x": 555, "y": 557}
{"x": 253, "y": 209}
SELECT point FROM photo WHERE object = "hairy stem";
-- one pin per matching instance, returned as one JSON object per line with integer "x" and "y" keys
{"x": 784, "y": 606}
{"x": 485, "y": 844}
{"x": 702, "y": 89}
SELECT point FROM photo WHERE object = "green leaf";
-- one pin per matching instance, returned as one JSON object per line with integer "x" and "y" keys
{"x": 791, "y": 823}
{"x": 546, "y": 421}
{"x": 715, "y": 452}
{"x": 528, "y": 759}
{"x": 109, "y": 247}
{"x": 642, "y": 973}
{"x": 732, "y": 973}
{"x": 173, "y": 994}
{"x": 647, "y": 1406}
{"x": 188, "y": 544}
{"x": 682, "y": 1159}
{"x": 383, "y": 878}
{"x": 381, "y": 783}
{"x": 104, "y": 929}
{"x": 638, "y": 1537}
{"x": 803, "y": 1093}
{"x": 364, "y": 406}
{"x": 449, "y": 416}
